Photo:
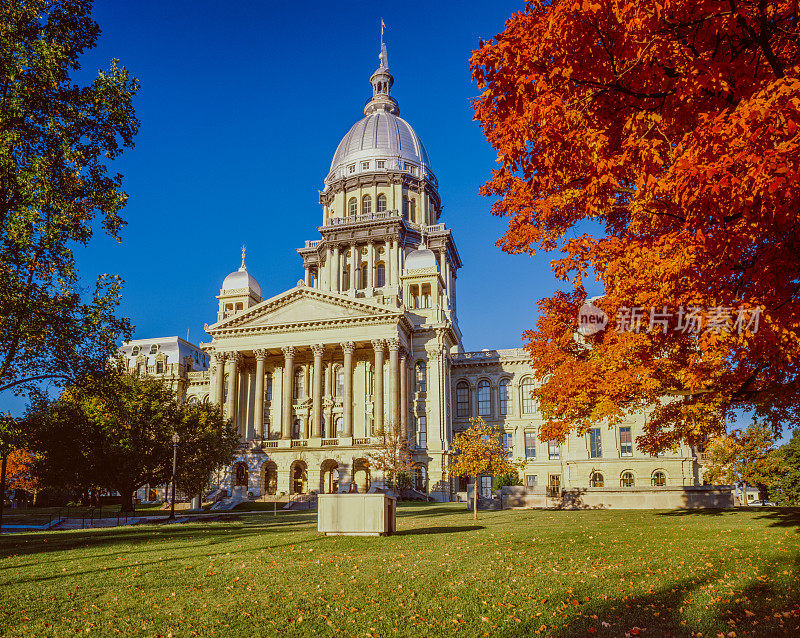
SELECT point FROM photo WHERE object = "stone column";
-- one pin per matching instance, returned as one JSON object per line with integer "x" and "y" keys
{"x": 377, "y": 346}
{"x": 233, "y": 387}
{"x": 388, "y": 268}
{"x": 328, "y": 269}
{"x": 354, "y": 261}
{"x": 445, "y": 270}
{"x": 404, "y": 391}
{"x": 286, "y": 401}
{"x": 307, "y": 277}
{"x": 219, "y": 358}
{"x": 348, "y": 348}
{"x": 394, "y": 383}
{"x": 370, "y": 267}
{"x": 246, "y": 411}
{"x": 337, "y": 269}
{"x": 318, "y": 350}
{"x": 258, "y": 419}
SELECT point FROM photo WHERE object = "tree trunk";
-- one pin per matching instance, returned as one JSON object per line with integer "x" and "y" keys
{"x": 127, "y": 500}
{"x": 475, "y": 499}
{"x": 744, "y": 495}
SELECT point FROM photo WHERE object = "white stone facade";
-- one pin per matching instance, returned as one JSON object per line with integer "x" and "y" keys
{"x": 370, "y": 337}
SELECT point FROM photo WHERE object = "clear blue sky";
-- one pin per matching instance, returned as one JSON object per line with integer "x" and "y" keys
{"x": 242, "y": 105}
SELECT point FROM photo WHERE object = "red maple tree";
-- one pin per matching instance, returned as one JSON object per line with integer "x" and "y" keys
{"x": 656, "y": 145}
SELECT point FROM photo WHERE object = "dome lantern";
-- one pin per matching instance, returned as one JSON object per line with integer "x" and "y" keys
{"x": 381, "y": 81}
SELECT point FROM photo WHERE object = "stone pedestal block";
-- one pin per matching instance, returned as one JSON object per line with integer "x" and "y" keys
{"x": 356, "y": 514}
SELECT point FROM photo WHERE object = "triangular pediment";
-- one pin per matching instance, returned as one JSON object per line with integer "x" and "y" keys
{"x": 305, "y": 306}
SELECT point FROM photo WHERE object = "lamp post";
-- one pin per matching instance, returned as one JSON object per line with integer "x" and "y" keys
{"x": 175, "y": 440}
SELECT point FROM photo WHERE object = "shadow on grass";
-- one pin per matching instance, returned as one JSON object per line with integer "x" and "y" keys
{"x": 438, "y": 530}
{"x": 202, "y": 534}
{"x": 700, "y": 606}
{"x": 777, "y": 516}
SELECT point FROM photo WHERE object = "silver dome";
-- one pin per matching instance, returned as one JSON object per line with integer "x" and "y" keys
{"x": 421, "y": 258}
{"x": 239, "y": 279}
{"x": 381, "y": 135}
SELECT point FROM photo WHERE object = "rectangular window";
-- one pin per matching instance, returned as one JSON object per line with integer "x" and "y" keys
{"x": 530, "y": 480}
{"x": 595, "y": 447}
{"x": 422, "y": 432}
{"x": 554, "y": 485}
{"x": 462, "y": 399}
{"x": 625, "y": 441}
{"x": 364, "y": 166}
{"x": 268, "y": 386}
{"x": 381, "y": 164}
{"x": 351, "y": 168}
{"x": 530, "y": 445}
{"x": 159, "y": 367}
{"x": 508, "y": 444}
{"x": 553, "y": 450}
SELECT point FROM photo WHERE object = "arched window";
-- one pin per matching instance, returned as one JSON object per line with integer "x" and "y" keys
{"x": 405, "y": 208}
{"x": 526, "y": 389}
{"x": 352, "y": 206}
{"x": 296, "y": 429}
{"x": 503, "y": 395}
{"x": 462, "y": 399}
{"x": 339, "y": 422}
{"x": 154, "y": 349}
{"x": 135, "y": 351}
{"x": 422, "y": 377}
{"x": 366, "y": 205}
{"x": 412, "y": 210}
{"x": 659, "y": 479}
{"x": 484, "y": 398}
{"x": 338, "y": 385}
{"x": 626, "y": 480}
{"x": 299, "y": 383}
{"x": 268, "y": 386}
{"x": 596, "y": 480}
{"x": 380, "y": 275}
{"x": 381, "y": 203}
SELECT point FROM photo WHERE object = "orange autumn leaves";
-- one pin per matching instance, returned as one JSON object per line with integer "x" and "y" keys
{"x": 656, "y": 144}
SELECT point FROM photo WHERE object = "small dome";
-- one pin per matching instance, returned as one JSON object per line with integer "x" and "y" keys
{"x": 239, "y": 279}
{"x": 421, "y": 258}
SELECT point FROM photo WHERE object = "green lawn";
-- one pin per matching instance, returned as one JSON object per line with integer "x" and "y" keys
{"x": 515, "y": 573}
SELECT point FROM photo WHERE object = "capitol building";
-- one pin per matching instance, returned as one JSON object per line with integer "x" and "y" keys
{"x": 369, "y": 338}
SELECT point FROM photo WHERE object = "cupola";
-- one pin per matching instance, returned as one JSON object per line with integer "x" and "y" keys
{"x": 239, "y": 291}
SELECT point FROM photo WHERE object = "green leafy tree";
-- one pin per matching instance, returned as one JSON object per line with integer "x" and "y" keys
{"x": 116, "y": 433}
{"x": 747, "y": 457}
{"x": 56, "y": 140}
{"x": 785, "y": 490}
{"x": 207, "y": 442}
{"x": 506, "y": 479}
{"x": 479, "y": 451}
